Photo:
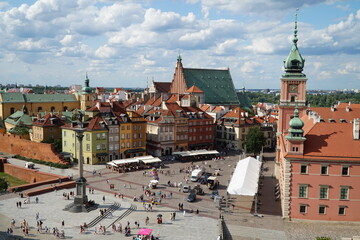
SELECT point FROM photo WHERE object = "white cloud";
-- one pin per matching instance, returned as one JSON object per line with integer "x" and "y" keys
{"x": 106, "y": 52}
{"x": 249, "y": 67}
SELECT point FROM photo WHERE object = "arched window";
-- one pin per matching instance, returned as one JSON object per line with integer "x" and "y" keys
{"x": 52, "y": 109}
{"x": 12, "y": 110}
{"x": 65, "y": 108}
{"x": 39, "y": 109}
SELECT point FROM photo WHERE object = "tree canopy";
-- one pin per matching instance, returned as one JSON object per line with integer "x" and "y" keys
{"x": 3, "y": 184}
{"x": 254, "y": 141}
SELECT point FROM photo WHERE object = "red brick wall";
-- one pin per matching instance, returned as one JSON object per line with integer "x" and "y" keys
{"x": 42, "y": 151}
{"x": 28, "y": 175}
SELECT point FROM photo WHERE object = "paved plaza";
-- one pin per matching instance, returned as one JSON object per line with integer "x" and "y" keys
{"x": 240, "y": 222}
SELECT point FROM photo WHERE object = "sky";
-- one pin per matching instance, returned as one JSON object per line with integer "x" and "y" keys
{"x": 123, "y": 43}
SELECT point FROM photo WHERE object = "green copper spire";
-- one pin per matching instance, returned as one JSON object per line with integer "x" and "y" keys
{"x": 294, "y": 62}
{"x": 86, "y": 89}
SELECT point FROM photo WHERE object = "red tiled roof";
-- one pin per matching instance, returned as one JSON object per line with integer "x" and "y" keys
{"x": 194, "y": 89}
{"x": 46, "y": 121}
{"x": 94, "y": 123}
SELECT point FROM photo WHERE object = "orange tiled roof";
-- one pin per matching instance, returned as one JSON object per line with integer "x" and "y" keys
{"x": 340, "y": 112}
{"x": 331, "y": 140}
{"x": 46, "y": 121}
{"x": 194, "y": 89}
{"x": 205, "y": 107}
{"x": 94, "y": 123}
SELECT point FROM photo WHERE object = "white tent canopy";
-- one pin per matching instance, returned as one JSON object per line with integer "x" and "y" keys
{"x": 195, "y": 153}
{"x": 144, "y": 159}
{"x": 245, "y": 178}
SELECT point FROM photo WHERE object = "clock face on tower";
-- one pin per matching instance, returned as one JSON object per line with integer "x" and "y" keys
{"x": 293, "y": 88}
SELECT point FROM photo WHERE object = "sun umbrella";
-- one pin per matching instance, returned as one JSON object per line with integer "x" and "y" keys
{"x": 145, "y": 231}
{"x": 159, "y": 215}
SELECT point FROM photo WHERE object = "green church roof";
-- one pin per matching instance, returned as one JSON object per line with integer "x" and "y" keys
{"x": 29, "y": 98}
{"x": 19, "y": 118}
{"x": 216, "y": 84}
{"x": 244, "y": 100}
{"x": 12, "y": 98}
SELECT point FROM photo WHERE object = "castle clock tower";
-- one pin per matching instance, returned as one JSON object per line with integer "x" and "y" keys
{"x": 293, "y": 86}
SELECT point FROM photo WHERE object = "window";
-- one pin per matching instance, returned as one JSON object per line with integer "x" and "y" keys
{"x": 341, "y": 210}
{"x": 103, "y": 146}
{"x": 128, "y": 127}
{"x": 103, "y": 135}
{"x": 140, "y": 127}
{"x": 324, "y": 170}
{"x": 344, "y": 192}
{"x": 128, "y": 136}
{"x": 322, "y": 209}
{"x": 12, "y": 110}
{"x": 304, "y": 169}
{"x": 52, "y": 109}
{"x": 134, "y": 144}
{"x": 97, "y": 136}
{"x": 128, "y": 144}
{"x": 65, "y": 108}
{"x": 116, "y": 146}
{"x": 292, "y": 99}
{"x": 140, "y": 144}
{"x": 64, "y": 142}
{"x": 134, "y": 127}
{"x": 303, "y": 191}
{"x": 39, "y": 109}
{"x": 302, "y": 208}
{"x": 122, "y": 136}
{"x": 64, "y": 133}
{"x": 345, "y": 171}
{"x": 98, "y": 146}
{"x": 111, "y": 139}
{"x": 122, "y": 145}
{"x": 87, "y": 147}
{"x": 116, "y": 138}
{"x": 140, "y": 135}
{"x": 87, "y": 137}
{"x": 135, "y": 135}
{"x": 111, "y": 147}
{"x": 324, "y": 192}
{"x": 122, "y": 127}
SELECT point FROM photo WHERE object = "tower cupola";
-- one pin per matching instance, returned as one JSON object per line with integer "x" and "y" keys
{"x": 86, "y": 89}
{"x": 296, "y": 124}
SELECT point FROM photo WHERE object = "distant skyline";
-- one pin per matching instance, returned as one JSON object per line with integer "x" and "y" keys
{"x": 129, "y": 43}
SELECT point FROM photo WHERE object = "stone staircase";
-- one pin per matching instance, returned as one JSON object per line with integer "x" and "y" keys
{"x": 98, "y": 219}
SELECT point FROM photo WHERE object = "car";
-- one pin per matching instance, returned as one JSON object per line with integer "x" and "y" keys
{"x": 191, "y": 197}
{"x": 186, "y": 188}
{"x": 214, "y": 194}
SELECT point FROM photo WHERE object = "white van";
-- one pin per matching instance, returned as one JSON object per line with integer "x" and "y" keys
{"x": 196, "y": 174}
{"x": 30, "y": 165}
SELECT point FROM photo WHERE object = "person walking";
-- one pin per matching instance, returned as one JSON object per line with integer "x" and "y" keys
{"x": 103, "y": 198}
{"x": 62, "y": 223}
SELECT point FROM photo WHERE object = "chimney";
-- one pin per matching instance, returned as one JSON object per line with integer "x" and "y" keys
{"x": 356, "y": 129}
{"x": 348, "y": 109}
{"x": 332, "y": 108}
{"x": 246, "y": 114}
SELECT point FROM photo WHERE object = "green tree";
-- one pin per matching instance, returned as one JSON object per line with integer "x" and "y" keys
{"x": 254, "y": 141}
{"x": 3, "y": 184}
{"x": 19, "y": 130}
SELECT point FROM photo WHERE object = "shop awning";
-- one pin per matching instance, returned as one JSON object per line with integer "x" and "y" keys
{"x": 152, "y": 160}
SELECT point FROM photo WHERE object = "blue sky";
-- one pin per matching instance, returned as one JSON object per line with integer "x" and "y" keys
{"x": 129, "y": 43}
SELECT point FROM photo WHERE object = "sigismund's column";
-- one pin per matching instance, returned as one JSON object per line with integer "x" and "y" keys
{"x": 80, "y": 197}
